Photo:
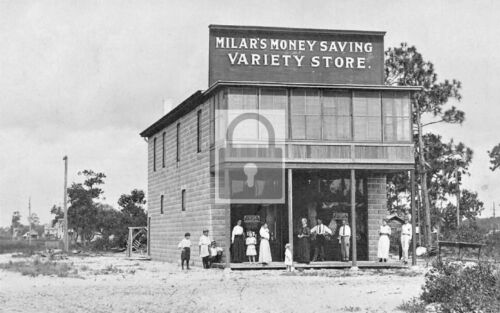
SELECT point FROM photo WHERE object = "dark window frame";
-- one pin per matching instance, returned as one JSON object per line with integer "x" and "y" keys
{"x": 178, "y": 143}
{"x": 183, "y": 200}
{"x": 198, "y": 131}
{"x": 163, "y": 150}
{"x": 154, "y": 154}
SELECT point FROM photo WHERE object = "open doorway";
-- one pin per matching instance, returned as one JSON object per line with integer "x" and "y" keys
{"x": 326, "y": 195}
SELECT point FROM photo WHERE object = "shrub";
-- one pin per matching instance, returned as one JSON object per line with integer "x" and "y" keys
{"x": 22, "y": 246}
{"x": 462, "y": 288}
{"x": 412, "y": 306}
{"x": 37, "y": 267}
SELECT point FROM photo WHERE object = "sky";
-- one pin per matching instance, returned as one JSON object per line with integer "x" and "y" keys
{"x": 84, "y": 78}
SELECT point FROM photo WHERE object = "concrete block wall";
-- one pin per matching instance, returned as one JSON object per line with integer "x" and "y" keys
{"x": 191, "y": 173}
{"x": 377, "y": 210}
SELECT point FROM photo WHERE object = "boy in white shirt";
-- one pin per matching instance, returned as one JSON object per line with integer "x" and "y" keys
{"x": 344, "y": 239}
{"x": 185, "y": 245}
{"x": 204, "y": 245}
{"x": 406, "y": 234}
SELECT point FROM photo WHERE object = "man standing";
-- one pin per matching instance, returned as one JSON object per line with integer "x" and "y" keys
{"x": 320, "y": 231}
{"x": 344, "y": 238}
{"x": 405, "y": 239}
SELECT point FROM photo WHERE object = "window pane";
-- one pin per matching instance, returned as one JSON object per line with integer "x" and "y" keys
{"x": 312, "y": 102}
{"x": 336, "y": 102}
{"x": 336, "y": 115}
{"x": 367, "y": 128}
{"x": 298, "y": 127}
{"x": 397, "y": 129}
{"x": 367, "y": 116}
{"x": 298, "y": 101}
{"x": 242, "y": 98}
{"x": 336, "y": 127}
{"x": 313, "y": 127}
{"x": 396, "y": 116}
{"x": 273, "y": 99}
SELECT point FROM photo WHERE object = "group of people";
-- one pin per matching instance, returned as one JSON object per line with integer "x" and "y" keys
{"x": 239, "y": 242}
{"x": 384, "y": 240}
{"x": 208, "y": 250}
{"x": 319, "y": 235}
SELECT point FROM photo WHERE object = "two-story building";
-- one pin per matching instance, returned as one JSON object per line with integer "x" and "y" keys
{"x": 344, "y": 130}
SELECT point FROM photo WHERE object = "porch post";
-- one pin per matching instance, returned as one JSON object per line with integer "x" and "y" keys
{"x": 413, "y": 218}
{"x": 290, "y": 213}
{"x": 227, "y": 223}
{"x": 227, "y": 226}
{"x": 353, "y": 219}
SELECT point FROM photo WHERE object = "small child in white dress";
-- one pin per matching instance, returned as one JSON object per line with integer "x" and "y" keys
{"x": 251, "y": 241}
{"x": 288, "y": 258}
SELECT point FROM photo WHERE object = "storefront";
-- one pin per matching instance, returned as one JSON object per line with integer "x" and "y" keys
{"x": 344, "y": 131}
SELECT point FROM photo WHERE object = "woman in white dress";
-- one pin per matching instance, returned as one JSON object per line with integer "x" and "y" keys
{"x": 265, "y": 248}
{"x": 384, "y": 242}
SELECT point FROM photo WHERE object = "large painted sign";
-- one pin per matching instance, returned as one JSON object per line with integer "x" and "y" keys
{"x": 283, "y": 55}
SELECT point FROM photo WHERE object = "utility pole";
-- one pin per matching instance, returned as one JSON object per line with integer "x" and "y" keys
{"x": 458, "y": 196}
{"x": 494, "y": 220}
{"x": 65, "y": 204}
{"x": 29, "y": 220}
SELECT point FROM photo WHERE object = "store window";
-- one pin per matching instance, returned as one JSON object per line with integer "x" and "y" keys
{"x": 305, "y": 110}
{"x": 240, "y": 98}
{"x": 396, "y": 108}
{"x": 336, "y": 115}
{"x": 367, "y": 117}
{"x": 274, "y": 99}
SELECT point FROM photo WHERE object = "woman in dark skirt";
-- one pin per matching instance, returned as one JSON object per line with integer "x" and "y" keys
{"x": 304, "y": 245}
{"x": 238, "y": 242}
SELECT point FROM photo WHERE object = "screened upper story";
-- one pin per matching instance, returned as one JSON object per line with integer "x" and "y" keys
{"x": 328, "y": 115}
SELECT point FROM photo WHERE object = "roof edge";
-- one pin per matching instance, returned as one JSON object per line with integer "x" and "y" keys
{"x": 295, "y": 30}
{"x": 309, "y": 85}
{"x": 174, "y": 114}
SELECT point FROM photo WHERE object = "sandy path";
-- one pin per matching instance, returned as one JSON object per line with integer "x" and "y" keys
{"x": 161, "y": 287}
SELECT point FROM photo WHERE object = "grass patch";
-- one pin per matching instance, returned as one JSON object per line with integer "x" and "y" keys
{"x": 351, "y": 309}
{"x": 36, "y": 267}
{"x": 412, "y": 306}
{"x": 21, "y": 246}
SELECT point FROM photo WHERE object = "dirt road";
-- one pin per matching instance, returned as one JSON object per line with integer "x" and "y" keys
{"x": 148, "y": 286}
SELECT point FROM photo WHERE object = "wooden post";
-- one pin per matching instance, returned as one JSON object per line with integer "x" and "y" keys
{"x": 65, "y": 205}
{"x": 149, "y": 236}
{"x": 227, "y": 220}
{"x": 353, "y": 219}
{"x": 413, "y": 218}
{"x": 290, "y": 210}
{"x": 129, "y": 250}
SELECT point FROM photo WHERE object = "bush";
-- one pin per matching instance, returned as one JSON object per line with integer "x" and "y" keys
{"x": 412, "y": 306}
{"x": 468, "y": 231}
{"x": 22, "y": 246}
{"x": 492, "y": 248}
{"x": 462, "y": 288}
{"x": 37, "y": 267}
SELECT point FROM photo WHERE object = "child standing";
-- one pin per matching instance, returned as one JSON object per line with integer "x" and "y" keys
{"x": 185, "y": 245}
{"x": 288, "y": 258}
{"x": 204, "y": 245}
{"x": 251, "y": 241}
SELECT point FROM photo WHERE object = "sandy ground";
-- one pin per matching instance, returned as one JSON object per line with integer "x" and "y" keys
{"x": 149, "y": 286}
